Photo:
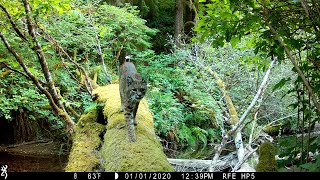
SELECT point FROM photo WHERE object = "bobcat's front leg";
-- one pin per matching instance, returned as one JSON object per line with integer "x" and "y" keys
{"x": 134, "y": 113}
{"x": 122, "y": 103}
{"x": 130, "y": 126}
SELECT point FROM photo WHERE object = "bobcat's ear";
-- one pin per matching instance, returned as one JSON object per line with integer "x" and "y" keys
{"x": 129, "y": 80}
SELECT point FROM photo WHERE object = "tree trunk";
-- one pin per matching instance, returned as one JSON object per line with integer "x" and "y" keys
{"x": 117, "y": 154}
{"x": 191, "y": 14}
{"x": 45, "y": 68}
{"x": 100, "y": 54}
{"x": 38, "y": 84}
{"x": 178, "y": 26}
{"x": 51, "y": 93}
{"x": 40, "y": 55}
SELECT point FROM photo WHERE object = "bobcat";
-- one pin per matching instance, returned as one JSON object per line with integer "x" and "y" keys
{"x": 132, "y": 89}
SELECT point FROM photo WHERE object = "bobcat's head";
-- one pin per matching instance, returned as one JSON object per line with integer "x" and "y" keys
{"x": 136, "y": 87}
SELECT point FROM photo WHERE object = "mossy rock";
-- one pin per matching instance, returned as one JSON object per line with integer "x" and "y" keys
{"x": 267, "y": 162}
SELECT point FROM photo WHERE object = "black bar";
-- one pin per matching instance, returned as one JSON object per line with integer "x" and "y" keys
{"x": 160, "y": 175}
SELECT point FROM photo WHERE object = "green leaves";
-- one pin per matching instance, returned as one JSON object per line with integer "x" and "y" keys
{"x": 92, "y": 106}
{"x": 281, "y": 83}
{"x": 191, "y": 135}
{"x": 231, "y": 20}
{"x": 17, "y": 93}
{"x": 235, "y": 41}
{"x": 312, "y": 167}
{"x": 45, "y": 8}
{"x": 185, "y": 133}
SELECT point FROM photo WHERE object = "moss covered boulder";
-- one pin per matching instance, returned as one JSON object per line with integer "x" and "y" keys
{"x": 267, "y": 162}
{"x": 116, "y": 153}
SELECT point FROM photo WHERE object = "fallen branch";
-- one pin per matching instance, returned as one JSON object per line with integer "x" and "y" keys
{"x": 304, "y": 134}
{"x": 248, "y": 154}
{"x": 259, "y": 92}
{"x": 193, "y": 162}
{"x": 237, "y": 126}
{"x": 269, "y": 124}
{"x": 30, "y": 142}
{"x": 252, "y": 129}
{"x": 201, "y": 164}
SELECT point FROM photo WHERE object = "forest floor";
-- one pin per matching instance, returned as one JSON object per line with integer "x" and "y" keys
{"x": 34, "y": 157}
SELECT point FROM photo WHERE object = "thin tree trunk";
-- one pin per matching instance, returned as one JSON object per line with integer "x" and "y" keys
{"x": 98, "y": 48}
{"x": 292, "y": 59}
{"x": 50, "y": 39}
{"x": 107, "y": 76}
{"x": 14, "y": 25}
{"x": 178, "y": 27}
{"x": 52, "y": 94}
{"x": 40, "y": 54}
{"x": 35, "y": 80}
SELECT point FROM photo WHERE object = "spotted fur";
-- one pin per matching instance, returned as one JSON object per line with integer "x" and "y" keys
{"x": 132, "y": 89}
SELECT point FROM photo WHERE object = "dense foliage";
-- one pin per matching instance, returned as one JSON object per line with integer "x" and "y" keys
{"x": 80, "y": 29}
{"x": 283, "y": 30}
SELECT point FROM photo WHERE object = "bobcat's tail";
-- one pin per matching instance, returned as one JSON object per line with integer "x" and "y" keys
{"x": 120, "y": 62}
{"x": 127, "y": 58}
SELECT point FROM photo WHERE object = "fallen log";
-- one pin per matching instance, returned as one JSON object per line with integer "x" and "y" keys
{"x": 84, "y": 156}
{"x": 203, "y": 164}
{"x": 193, "y": 162}
{"x": 116, "y": 153}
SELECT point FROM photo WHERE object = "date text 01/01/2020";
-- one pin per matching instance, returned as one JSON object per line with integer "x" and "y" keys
{"x": 142, "y": 176}
{"x": 187, "y": 176}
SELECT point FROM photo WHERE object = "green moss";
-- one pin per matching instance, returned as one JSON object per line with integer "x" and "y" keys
{"x": 267, "y": 162}
{"x": 272, "y": 129}
{"x": 146, "y": 154}
{"x": 86, "y": 141}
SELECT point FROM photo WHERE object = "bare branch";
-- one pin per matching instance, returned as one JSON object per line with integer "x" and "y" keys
{"x": 99, "y": 51}
{"x": 45, "y": 69}
{"x": 240, "y": 122}
{"x": 108, "y": 78}
{"x": 38, "y": 50}
{"x": 269, "y": 124}
{"x": 50, "y": 39}
{"x": 259, "y": 92}
{"x": 20, "y": 72}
